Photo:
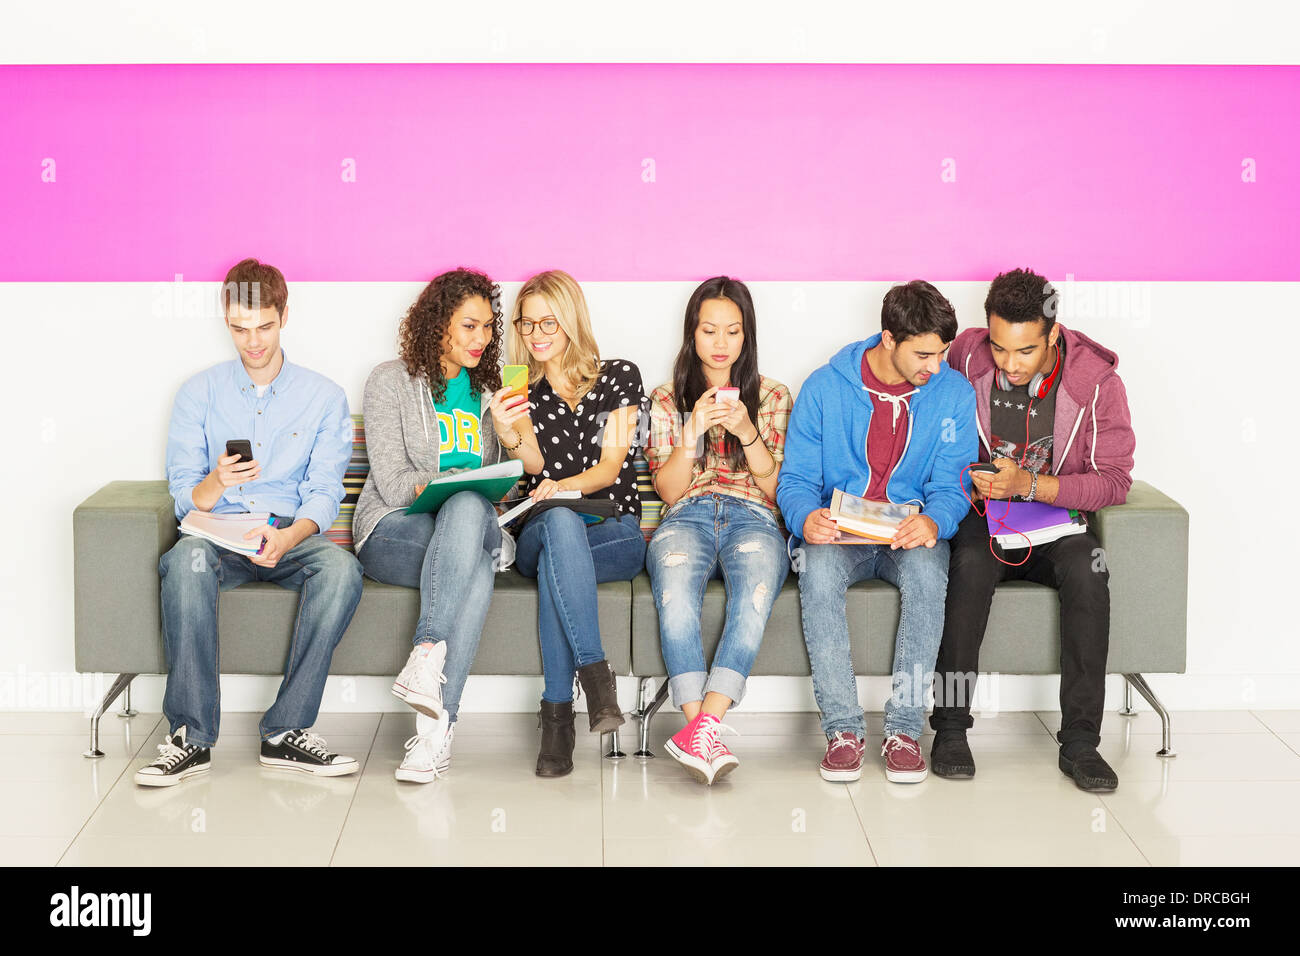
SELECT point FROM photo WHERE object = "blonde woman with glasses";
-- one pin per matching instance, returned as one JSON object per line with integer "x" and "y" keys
{"x": 579, "y": 437}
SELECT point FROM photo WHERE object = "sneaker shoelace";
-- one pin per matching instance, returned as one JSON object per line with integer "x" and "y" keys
{"x": 706, "y": 738}
{"x": 169, "y": 754}
{"x": 841, "y": 739}
{"x": 426, "y": 741}
{"x": 898, "y": 743}
{"x": 312, "y": 743}
{"x": 437, "y": 675}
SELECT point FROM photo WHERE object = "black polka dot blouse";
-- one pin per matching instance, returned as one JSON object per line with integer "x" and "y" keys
{"x": 570, "y": 440}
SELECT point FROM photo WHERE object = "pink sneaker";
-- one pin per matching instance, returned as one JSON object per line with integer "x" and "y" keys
{"x": 843, "y": 760}
{"x": 903, "y": 760}
{"x": 690, "y": 747}
{"x": 721, "y": 760}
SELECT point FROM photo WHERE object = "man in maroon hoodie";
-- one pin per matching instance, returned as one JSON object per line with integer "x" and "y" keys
{"x": 1053, "y": 417}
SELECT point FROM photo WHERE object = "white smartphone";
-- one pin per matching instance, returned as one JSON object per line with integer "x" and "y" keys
{"x": 727, "y": 393}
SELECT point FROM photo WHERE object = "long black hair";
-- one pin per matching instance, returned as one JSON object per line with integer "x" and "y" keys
{"x": 689, "y": 381}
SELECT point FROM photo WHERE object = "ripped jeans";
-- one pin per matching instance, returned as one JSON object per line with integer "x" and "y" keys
{"x": 706, "y": 537}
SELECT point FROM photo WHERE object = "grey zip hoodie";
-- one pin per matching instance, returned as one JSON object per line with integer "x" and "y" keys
{"x": 402, "y": 443}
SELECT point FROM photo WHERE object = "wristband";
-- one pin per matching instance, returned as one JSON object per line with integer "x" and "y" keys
{"x": 515, "y": 445}
{"x": 1033, "y": 486}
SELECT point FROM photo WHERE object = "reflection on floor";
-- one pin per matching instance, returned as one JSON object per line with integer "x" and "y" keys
{"x": 1227, "y": 798}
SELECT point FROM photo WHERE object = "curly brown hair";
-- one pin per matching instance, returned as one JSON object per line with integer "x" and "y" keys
{"x": 424, "y": 327}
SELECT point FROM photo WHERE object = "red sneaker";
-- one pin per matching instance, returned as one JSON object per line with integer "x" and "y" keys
{"x": 690, "y": 748}
{"x": 843, "y": 760}
{"x": 903, "y": 760}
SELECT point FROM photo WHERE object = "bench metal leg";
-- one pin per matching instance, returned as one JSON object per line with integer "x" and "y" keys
{"x": 1166, "y": 737}
{"x": 645, "y": 715}
{"x": 127, "y": 710}
{"x": 614, "y": 753}
{"x": 120, "y": 683}
{"x": 1127, "y": 710}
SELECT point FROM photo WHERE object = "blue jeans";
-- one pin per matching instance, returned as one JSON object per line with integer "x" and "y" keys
{"x": 705, "y": 537}
{"x": 569, "y": 558}
{"x": 921, "y": 576}
{"x": 451, "y": 558}
{"x": 194, "y": 572}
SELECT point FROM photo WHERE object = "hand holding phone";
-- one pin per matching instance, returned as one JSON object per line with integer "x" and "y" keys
{"x": 238, "y": 467}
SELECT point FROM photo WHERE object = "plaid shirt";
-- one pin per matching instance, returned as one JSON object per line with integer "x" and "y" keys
{"x": 713, "y": 473}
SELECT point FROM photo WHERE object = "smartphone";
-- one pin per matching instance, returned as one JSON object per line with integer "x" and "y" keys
{"x": 727, "y": 393}
{"x": 515, "y": 378}
{"x": 984, "y": 466}
{"x": 241, "y": 447}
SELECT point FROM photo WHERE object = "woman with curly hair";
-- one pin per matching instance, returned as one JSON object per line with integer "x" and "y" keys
{"x": 437, "y": 409}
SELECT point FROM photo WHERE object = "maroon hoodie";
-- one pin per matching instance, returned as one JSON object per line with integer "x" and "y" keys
{"x": 1092, "y": 440}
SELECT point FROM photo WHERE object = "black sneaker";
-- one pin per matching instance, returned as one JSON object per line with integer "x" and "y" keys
{"x": 176, "y": 761}
{"x": 950, "y": 754}
{"x": 303, "y": 750}
{"x": 1089, "y": 771}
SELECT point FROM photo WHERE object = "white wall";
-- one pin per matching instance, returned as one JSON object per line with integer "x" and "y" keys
{"x": 93, "y": 369}
{"x": 90, "y": 370}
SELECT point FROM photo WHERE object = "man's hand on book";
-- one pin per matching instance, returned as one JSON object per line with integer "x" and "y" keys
{"x": 818, "y": 528}
{"x": 279, "y": 541}
{"x": 915, "y": 530}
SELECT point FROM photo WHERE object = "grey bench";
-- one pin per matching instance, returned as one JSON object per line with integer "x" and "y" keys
{"x": 122, "y": 530}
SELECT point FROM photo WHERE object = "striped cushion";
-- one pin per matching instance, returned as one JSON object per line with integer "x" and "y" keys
{"x": 340, "y": 532}
{"x": 651, "y": 507}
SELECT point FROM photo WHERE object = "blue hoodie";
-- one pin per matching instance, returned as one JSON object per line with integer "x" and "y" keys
{"x": 826, "y": 443}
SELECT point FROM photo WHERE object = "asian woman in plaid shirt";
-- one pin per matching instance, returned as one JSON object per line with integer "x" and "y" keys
{"x": 717, "y": 431}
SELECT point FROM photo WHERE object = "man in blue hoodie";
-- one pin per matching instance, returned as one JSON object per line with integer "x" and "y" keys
{"x": 886, "y": 420}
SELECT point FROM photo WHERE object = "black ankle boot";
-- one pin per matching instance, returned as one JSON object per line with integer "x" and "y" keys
{"x": 597, "y": 682}
{"x": 555, "y": 755}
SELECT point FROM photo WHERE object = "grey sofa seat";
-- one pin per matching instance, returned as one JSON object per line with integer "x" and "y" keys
{"x": 121, "y": 531}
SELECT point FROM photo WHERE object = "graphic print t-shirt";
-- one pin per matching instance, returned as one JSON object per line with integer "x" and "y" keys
{"x": 1007, "y": 417}
{"x": 459, "y": 433}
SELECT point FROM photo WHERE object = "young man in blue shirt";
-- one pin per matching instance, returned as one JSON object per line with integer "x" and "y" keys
{"x": 886, "y": 420}
{"x": 298, "y": 426}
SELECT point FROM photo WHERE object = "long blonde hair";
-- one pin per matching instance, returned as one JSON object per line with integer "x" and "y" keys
{"x": 581, "y": 359}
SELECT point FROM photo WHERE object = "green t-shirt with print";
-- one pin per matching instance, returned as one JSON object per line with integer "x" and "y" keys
{"x": 459, "y": 432}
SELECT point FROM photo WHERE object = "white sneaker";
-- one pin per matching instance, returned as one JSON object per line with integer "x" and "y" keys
{"x": 428, "y": 753}
{"x": 420, "y": 682}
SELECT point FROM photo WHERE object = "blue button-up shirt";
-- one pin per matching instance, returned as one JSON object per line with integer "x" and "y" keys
{"x": 300, "y": 430}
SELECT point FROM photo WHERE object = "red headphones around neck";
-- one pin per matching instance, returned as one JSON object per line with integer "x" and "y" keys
{"x": 1040, "y": 384}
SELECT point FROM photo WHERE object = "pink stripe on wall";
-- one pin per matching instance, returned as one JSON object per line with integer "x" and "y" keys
{"x": 811, "y": 172}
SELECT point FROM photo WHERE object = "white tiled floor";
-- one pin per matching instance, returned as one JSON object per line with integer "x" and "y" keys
{"x": 1228, "y": 798}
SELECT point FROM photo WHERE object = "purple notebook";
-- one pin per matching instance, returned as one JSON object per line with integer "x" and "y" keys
{"x": 1010, "y": 522}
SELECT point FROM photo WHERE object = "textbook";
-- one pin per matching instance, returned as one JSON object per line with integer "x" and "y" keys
{"x": 228, "y": 530}
{"x": 1011, "y": 522}
{"x": 862, "y": 521}
{"x": 491, "y": 482}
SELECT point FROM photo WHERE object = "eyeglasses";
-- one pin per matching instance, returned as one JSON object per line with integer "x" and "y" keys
{"x": 549, "y": 326}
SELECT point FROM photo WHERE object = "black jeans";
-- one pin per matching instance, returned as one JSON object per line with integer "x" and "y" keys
{"x": 1075, "y": 567}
